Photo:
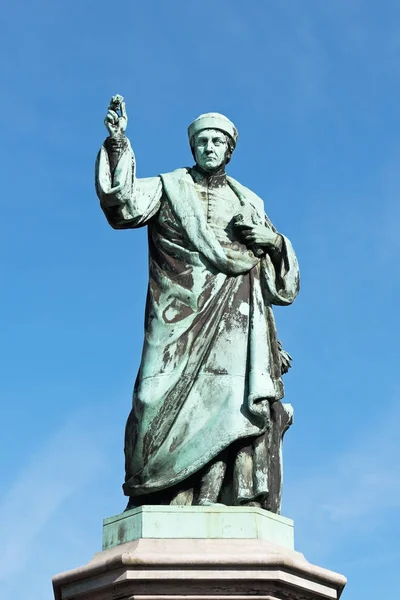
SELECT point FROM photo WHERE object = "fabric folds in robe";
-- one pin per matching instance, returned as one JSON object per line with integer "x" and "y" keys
{"x": 210, "y": 366}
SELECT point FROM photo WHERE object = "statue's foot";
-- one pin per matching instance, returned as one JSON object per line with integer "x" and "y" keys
{"x": 211, "y": 483}
{"x": 205, "y": 502}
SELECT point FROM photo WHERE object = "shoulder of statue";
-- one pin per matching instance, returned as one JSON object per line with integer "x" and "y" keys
{"x": 176, "y": 172}
{"x": 181, "y": 173}
{"x": 245, "y": 193}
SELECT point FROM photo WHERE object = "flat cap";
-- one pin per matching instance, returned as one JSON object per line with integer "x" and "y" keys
{"x": 213, "y": 121}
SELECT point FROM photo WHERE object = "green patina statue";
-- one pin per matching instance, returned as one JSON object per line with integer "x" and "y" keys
{"x": 207, "y": 420}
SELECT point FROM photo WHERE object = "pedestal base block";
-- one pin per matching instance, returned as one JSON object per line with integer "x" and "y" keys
{"x": 198, "y": 569}
{"x": 208, "y": 522}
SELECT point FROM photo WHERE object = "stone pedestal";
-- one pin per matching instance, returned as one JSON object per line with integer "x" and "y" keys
{"x": 193, "y": 564}
{"x": 197, "y": 522}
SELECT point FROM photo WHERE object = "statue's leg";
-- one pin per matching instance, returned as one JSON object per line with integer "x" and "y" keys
{"x": 183, "y": 498}
{"x": 211, "y": 483}
{"x": 281, "y": 420}
{"x": 244, "y": 492}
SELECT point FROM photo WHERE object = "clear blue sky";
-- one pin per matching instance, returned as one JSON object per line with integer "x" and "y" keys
{"x": 313, "y": 87}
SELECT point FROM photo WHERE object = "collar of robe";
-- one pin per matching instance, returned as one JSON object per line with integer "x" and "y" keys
{"x": 215, "y": 179}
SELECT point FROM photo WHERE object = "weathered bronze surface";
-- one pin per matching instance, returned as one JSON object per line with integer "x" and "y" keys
{"x": 207, "y": 420}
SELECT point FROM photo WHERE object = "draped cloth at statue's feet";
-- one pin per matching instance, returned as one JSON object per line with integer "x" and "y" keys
{"x": 210, "y": 366}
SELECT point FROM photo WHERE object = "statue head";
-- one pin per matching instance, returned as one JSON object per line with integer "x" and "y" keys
{"x": 212, "y": 139}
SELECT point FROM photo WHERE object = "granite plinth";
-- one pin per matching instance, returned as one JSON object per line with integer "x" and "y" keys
{"x": 198, "y": 553}
{"x": 197, "y": 522}
{"x": 198, "y": 569}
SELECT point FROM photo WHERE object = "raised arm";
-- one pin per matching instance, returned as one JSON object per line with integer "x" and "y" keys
{"x": 125, "y": 200}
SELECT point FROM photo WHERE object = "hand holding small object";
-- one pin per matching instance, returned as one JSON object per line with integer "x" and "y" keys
{"x": 116, "y": 119}
{"x": 257, "y": 235}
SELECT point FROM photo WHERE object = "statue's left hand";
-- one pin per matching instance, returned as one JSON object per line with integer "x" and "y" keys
{"x": 261, "y": 236}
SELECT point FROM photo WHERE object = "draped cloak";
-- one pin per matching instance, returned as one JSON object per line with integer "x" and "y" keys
{"x": 210, "y": 366}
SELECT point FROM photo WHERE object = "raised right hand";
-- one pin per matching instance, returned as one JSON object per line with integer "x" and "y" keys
{"x": 116, "y": 123}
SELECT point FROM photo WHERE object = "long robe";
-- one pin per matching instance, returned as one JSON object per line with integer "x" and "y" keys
{"x": 211, "y": 366}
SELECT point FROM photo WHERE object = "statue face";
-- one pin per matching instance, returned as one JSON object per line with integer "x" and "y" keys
{"x": 210, "y": 148}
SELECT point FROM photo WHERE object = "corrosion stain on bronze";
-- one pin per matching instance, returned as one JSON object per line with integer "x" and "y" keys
{"x": 211, "y": 364}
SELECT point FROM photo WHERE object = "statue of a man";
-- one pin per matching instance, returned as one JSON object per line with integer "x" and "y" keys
{"x": 207, "y": 422}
